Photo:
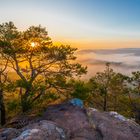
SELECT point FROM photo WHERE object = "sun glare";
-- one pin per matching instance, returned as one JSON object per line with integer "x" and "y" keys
{"x": 33, "y": 44}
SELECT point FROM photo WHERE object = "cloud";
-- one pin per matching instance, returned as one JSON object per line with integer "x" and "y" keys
{"x": 96, "y": 62}
{"x": 127, "y": 51}
{"x": 126, "y": 58}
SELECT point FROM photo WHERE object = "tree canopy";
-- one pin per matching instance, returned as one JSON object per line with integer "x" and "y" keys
{"x": 35, "y": 59}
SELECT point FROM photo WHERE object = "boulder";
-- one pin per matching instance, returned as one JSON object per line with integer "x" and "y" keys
{"x": 71, "y": 121}
{"x": 113, "y": 126}
{"x": 43, "y": 130}
{"x": 91, "y": 124}
{"x": 8, "y": 133}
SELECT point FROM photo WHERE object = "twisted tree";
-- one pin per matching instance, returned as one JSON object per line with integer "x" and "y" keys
{"x": 36, "y": 61}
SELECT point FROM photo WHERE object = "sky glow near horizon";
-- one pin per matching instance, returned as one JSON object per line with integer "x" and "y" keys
{"x": 81, "y": 23}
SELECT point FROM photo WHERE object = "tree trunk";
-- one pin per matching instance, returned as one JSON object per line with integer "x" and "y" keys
{"x": 25, "y": 103}
{"x": 137, "y": 115}
{"x": 2, "y": 109}
{"x": 115, "y": 102}
{"x": 105, "y": 101}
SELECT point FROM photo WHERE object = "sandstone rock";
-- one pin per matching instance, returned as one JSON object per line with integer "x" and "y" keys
{"x": 91, "y": 124}
{"x": 73, "y": 119}
{"x": 8, "y": 133}
{"x": 43, "y": 130}
{"x": 70, "y": 121}
{"x": 113, "y": 126}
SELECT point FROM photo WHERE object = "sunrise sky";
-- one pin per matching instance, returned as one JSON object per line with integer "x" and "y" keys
{"x": 80, "y": 23}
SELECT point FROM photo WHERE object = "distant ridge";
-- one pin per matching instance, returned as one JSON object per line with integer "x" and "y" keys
{"x": 134, "y": 51}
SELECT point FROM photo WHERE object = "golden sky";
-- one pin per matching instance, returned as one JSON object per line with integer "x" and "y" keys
{"x": 80, "y": 23}
{"x": 100, "y": 44}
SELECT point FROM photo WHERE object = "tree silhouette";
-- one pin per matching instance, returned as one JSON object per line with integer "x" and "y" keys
{"x": 3, "y": 81}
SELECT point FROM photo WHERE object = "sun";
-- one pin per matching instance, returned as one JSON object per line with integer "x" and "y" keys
{"x": 33, "y": 44}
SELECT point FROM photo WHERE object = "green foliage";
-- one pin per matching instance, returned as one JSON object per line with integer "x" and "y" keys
{"x": 133, "y": 88}
{"x": 13, "y": 105}
{"x": 107, "y": 86}
{"x": 38, "y": 63}
{"x": 81, "y": 89}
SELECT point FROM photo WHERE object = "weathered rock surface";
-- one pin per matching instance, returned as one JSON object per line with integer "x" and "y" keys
{"x": 113, "y": 126}
{"x": 90, "y": 124}
{"x": 73, "y": 119}
{"x": 22, "y": 120}
{"x": 43, "y": 130}
{"x": 9, "y": 133}
{"x": 72, "y": 122}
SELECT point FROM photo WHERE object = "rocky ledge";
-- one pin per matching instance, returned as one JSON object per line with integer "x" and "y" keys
{"x": 71, "y": 121}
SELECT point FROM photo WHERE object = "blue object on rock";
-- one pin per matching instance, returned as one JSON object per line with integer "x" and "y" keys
{"x": 77, "y": 102}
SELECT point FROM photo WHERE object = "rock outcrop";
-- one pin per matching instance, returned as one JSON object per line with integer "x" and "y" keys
{"x": 43, "y": 130}
{"x": 70, "y": 121}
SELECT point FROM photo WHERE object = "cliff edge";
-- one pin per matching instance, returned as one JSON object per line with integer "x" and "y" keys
{"x": 71, "y": 121}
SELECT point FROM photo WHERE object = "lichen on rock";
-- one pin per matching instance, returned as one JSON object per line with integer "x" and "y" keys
{"x": 118, "y": 116}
